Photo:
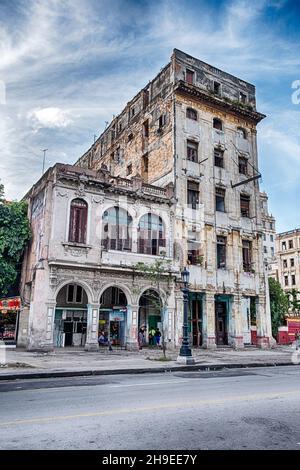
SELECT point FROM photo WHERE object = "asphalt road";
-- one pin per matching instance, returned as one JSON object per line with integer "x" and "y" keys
{"x": 234, "y": 409}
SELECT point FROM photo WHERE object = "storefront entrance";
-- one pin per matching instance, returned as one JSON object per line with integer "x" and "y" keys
{"x": 150, "y": 306}
{"x": 195, "y": 315}
{"x": 70, "y": 322}
{"x": 221, "y": 308}
{"x": 113, "y": 316}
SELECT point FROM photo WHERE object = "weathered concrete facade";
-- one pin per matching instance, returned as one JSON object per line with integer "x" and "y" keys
{"x": 288, "y": 259}
{"x": 53, "y": 262}
{"x": 192, "y": 133}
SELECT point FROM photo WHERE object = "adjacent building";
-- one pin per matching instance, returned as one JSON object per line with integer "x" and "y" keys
{"x": 269, "y": 236}
{"x": 288, "y": 259}
{"x": 174, "y": 175}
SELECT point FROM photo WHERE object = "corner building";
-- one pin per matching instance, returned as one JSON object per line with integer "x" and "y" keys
{"x": 189, "y": 139}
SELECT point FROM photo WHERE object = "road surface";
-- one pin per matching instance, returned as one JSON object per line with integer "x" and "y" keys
{"x": 234, "y": 409}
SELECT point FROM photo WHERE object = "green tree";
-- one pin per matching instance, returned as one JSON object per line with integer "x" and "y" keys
{"x": 14, "y": 236}
{"x": 1, "y": 193}
{"x": 159, "y": 274}
{"x": 294, "y": 303}
{"x": 279, "y": 304}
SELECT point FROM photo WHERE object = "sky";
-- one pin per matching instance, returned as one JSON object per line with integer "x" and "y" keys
{"x": 68, "y": 66}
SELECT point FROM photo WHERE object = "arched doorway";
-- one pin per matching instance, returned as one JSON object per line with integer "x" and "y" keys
{"x": 70, "y": 321}
{"x": 113, "y": 315}
{"x": 150, "y": 309}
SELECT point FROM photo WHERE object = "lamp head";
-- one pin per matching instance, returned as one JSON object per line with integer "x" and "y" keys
{"x": 185, "y": 275}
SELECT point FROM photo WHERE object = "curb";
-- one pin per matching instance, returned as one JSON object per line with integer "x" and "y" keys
{"x": 83, "y": 373}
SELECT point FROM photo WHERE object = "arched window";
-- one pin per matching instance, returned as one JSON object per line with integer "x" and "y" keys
{"x": 217, "y": 124}
{"x": 78, "y": 221}
{"x": 117, "y": 228}
{"x": 192, "y": 114}
{"x": 242, "y": 133}
{"x": 151, "y": 234}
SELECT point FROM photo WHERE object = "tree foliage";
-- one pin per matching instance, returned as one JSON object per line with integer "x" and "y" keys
{"x": 158, "y": 273}
{"x": 294, "y": 302}
{"x": 279, "y": 304}
{"x": 14, "y": 235}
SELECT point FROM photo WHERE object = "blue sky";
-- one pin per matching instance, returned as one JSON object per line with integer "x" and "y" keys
{"x": 67, "y": 66}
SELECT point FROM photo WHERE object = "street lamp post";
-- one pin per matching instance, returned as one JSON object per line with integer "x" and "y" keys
{"x": 185, "y": 354}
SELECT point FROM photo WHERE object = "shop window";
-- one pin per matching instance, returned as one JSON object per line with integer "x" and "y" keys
{"x": 151, "y": 235}
{"x": 192, "y": 114}
{"x": 219, "y": 158}
{"x": 189, "y": 76}
{"x": 217, "y": 124}
{"x": 192, "y": 194}
{"x": 220, "y": 199}
{"x": 74, "y": 294}
{"x": 117, "y": 229}
{"x": 247, "y": 258}
{"x": 192, "y": 151}
{"x": 245, "y": 205}
{"x": 221, "y": 252}
{"x": 243, "y": 165}
{"x": 78, "y": 221}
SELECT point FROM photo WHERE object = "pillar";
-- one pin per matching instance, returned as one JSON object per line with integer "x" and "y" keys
{"x": 41, "y": 325}
{"x": 209, "y": 321}
{"x": 132, "y": 328}
{"x": 91, "y": 343}
{"x": 263, "y": 335}
{"x": 236, "y": 337}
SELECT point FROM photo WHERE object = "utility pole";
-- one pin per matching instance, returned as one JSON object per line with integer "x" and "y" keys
{"x": 44, "y": 150}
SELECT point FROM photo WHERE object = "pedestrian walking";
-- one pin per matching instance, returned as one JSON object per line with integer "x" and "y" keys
{"x": 141, "y": 338}
{"x": 157, "y": 336}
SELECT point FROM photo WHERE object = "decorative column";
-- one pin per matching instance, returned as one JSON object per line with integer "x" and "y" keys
{"x": 263, "y": 336}
{"x": 236, "y": 323}
{"x": 91, "y": 343}
{"x": 132, "y": 328}
{"x": 209, "y": 321}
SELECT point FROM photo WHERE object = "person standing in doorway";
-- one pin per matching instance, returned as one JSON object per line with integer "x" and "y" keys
{"x": 152, "y": 337}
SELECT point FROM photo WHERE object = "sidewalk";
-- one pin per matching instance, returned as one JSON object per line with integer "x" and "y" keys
{"x": 73, "y": 362}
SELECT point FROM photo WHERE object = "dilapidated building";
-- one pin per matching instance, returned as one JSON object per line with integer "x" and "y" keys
{"x": 188, "y": 139}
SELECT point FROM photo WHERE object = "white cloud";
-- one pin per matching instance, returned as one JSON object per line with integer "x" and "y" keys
{"x": 50, "y": 117}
